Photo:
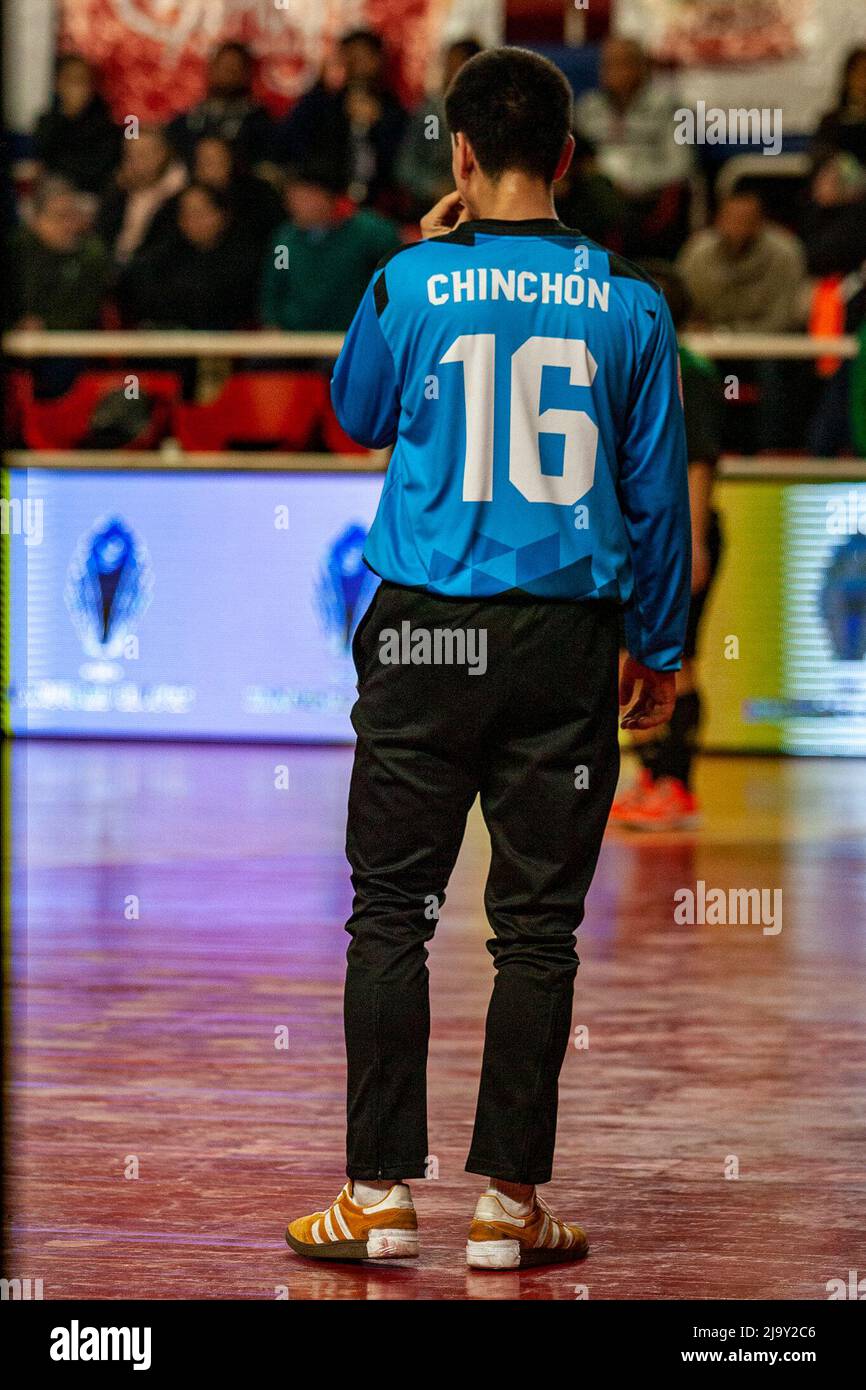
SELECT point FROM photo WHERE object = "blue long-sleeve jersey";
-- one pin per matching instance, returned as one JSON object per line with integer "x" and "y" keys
{"x": 528, "y": 380}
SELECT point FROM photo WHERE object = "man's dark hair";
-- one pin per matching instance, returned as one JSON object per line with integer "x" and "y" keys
{"x": 367, "y": 36}
{"x": 468, "y": 47}
{"x": 234, "y": 46}
{"x": 321, "y": 169}
{"x": 514, "y": 107}
{"x": 848, "y": 67}
{"x": 215, "y": 196}
{"x": 72, "y": 60}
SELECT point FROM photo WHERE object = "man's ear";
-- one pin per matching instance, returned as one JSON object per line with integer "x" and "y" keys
{"x": 465, "y": 162}
{"x": 564, "y": 158}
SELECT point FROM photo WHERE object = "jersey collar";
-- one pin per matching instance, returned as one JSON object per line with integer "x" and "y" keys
{"x": 528, "y": 226}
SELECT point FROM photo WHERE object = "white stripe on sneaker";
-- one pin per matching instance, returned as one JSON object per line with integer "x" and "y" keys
{"x": 329, "y": 1225}
{"x": 341, "y": 1221}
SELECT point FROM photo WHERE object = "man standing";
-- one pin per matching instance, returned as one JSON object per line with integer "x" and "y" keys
{"x": 742, "y": 274}
{"x": 631, "y": 122}
{"x": 528, "y": 382}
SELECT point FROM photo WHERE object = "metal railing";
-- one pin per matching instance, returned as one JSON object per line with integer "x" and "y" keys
{"x": 263, "y": 344}
{"x": 732, "y": 467}
{"x": 326, "y": 346}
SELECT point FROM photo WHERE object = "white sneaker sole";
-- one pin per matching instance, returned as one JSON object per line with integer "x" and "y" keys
{"x": 508, "y": 1254}
{"x": 493, "y": 1254}
{"x": 392, "y": 1245}
{"x": 383, "y": 1244}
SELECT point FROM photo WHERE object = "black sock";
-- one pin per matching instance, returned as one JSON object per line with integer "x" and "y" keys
{"x": 671, "y": 754}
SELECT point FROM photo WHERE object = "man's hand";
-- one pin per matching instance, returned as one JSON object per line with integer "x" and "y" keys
{"x": 655, "y": 703}
{"x": 444, "y": 216}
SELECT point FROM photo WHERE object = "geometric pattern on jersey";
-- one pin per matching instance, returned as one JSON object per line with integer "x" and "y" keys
{"x": 493, "y": 566}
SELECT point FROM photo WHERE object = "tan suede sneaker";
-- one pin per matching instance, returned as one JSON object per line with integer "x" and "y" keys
{"x": 498, "y": 1240}
{"x": 386, "y": 1231}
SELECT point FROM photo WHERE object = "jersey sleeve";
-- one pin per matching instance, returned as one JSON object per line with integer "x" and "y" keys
{"x": 365, "y": 392}
{"x": 654, "y": 496}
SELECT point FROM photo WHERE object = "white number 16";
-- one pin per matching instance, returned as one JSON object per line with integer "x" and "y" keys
{"x": 477, "y": 352}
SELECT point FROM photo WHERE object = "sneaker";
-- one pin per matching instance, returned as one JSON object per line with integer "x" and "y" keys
{"x": 498, "y": 1240}
{"x": 668, "y": 806}
{"x": 386, "y": 1231}
{"x": 632, "y": 796}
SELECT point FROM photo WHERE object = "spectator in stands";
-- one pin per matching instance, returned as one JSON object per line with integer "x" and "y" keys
{"x": 423, "y": 166}
{"x": 320, "y": 261}
{"x": 743, "y": 273}
{"x": 374, "y": 131}
{"x": 203, "y": 276}
{"x": 60, "y": 270}
{"x": 139, "y": 210}
{"x": 229, "y": 109}
{"x": 630, "y": 121}
{"x": 843, "y": 130}
{"x": 255, "y": 203}
{"x": 834, "y": 223}
{"x": 77, "y": 139}
{"x": 588, "y": 200}
{"x": 59, "y": 278}
{"x": 834, "y": 233}
{"x": 352, "y": 117}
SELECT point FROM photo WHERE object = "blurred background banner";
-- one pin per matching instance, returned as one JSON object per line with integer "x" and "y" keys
{"x": 152, "y": 53}
{"x": 726, "y": 31}
{"x": 728, "y": 50}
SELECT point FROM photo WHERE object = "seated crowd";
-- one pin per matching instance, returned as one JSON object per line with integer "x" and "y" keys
{"x": 227, "y": 219}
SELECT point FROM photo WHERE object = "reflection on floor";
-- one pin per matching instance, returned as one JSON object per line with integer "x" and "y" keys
{"x": 179, "y": 911}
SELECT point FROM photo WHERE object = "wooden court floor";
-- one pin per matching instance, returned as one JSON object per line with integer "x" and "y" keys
{"x": 176, "y": 1060}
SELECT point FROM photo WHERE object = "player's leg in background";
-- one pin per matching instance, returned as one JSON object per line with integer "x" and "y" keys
{"x": 550, "y": 773}
{"x": 413, "y": 782}
{"x": 667, "y": 801}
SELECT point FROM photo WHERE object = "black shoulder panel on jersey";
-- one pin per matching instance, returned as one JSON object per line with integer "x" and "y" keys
{"x": 380, "y": 296}
{"x": 380, "y": 289}
{"x": 398, "y": 251}
{"x": 461, "y": 236}
{"x": 458, "y": 237}
{"x": 627, "y": 270}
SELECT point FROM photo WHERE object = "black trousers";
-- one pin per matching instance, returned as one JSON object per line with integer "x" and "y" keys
{"x": 535, "y": 736}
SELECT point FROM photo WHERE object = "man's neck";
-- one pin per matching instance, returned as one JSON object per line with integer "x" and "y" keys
{"x": 514, "y": 198}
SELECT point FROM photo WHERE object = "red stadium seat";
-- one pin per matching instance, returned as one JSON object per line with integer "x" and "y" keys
{"x": 255, "y": 408}
{"x": 19, "y": 394}
{"x": 334, "y": 437}
{"x": 63, "y": 423}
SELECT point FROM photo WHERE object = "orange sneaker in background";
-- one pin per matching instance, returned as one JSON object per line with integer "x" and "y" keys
{"x": 632, "y": 796}
{"x": 669, "y": 805}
